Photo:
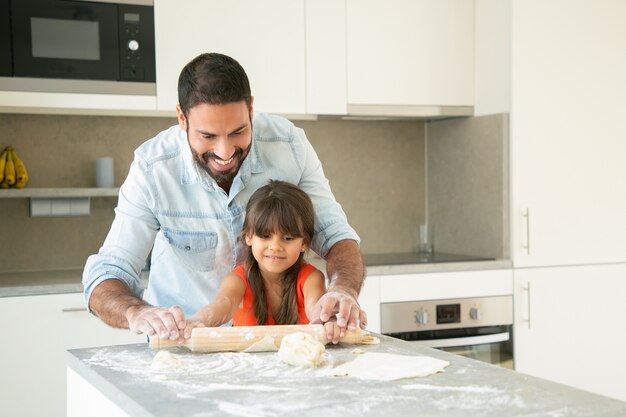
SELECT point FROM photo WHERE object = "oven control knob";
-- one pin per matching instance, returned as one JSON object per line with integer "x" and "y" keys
{"x": 475, "y": 313}
{"x": 133, "y": 45}
{"x": 421, "y": 317}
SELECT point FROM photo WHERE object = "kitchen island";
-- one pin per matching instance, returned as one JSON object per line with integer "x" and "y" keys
{"x": 120, "y": 381}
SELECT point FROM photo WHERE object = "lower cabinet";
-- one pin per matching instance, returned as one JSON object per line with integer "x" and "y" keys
{"x": 37, "y": 330}
{"x": 569, "y": 326}
{"x": 84, "y": 399}
{"x": 369, "y": 301}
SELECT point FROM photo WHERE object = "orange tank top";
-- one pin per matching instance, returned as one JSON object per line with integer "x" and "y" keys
{"x": 244, "y": 316}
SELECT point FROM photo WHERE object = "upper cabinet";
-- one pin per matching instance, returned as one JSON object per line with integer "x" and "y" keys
{"x": 266, "y": 37}
{"x": 398, "y": 58}
{"x": 76, "y": 103}
{"x": 411, "y": 53}
{"x": 304, "y": 57}
{"x": 567, "y": 133}
{"x": 326, "y": 57}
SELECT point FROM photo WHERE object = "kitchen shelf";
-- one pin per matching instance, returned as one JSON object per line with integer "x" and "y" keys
{"x": 59, "y": 192}
{"x": 56, "y": 202}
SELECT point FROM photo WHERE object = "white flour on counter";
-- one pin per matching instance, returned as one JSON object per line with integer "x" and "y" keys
{"x": 260, "y": 384}
{"x": 219, "y": 379}
{"x": 265, "y": 365}
{"x": 469, "y": 397}
{"x": 470, "y": 388}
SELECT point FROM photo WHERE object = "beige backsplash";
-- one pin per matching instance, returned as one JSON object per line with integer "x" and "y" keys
{"x": 375, "y": 168}
{"x": 468, "y": 185}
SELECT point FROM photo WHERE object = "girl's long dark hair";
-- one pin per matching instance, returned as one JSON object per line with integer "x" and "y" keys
{"x": 277, "y": 207}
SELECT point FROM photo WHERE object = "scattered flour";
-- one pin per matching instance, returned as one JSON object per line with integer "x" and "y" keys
{"x": 241, "y": 384}
{"x": 468, "y": 388}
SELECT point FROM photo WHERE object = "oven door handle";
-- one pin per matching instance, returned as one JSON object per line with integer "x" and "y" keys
{"x": 465, "y": 341}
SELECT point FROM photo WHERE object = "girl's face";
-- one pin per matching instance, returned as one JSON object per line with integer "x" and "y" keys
{"x": 275, "y": 252}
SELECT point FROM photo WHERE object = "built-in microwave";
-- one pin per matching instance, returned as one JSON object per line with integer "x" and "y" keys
{"x": 98, "y": 46}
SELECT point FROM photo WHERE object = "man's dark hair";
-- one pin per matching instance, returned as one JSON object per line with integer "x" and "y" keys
{"x": 212, "y": 78}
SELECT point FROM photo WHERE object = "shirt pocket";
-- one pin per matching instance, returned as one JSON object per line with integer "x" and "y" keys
{"x": 195, "y": 249}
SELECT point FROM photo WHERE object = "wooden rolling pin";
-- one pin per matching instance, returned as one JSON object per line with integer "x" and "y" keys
{"x": 255, "y": 338}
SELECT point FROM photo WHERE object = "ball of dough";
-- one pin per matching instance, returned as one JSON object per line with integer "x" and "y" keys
{"x": 301, "y": 349}
{"x": 164, "y": 360}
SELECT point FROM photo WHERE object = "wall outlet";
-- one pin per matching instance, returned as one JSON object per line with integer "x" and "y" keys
{"x": 59, "y": 207}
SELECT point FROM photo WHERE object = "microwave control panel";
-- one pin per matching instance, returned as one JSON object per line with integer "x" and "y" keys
{"x": 136, "y": 43}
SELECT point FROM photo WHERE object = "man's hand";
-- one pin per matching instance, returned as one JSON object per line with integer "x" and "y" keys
{"x": 346, "y": 270}
{"x": 166, "y": 323}
{"x": 333, "y": 331}
{"x": 344, "y": 307}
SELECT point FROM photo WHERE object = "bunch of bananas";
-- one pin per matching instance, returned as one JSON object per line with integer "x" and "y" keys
{"x": 12, "y": 170}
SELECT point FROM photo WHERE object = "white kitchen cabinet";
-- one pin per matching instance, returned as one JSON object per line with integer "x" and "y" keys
{"x": 266, "y": 38}
{"x": 410, "y": 52}
{"x": 569, "y": 326}
{"x": 369, "y": 301}
{"x": 37, "y": 330}
{"x": 442, "y": 285}
{"x": 567, "y": 132}
{"x": 326, "y": 57}
{"x": 567, "y": 207}
{"x": 84, "y": 399}
{"x": 70, "y": 103}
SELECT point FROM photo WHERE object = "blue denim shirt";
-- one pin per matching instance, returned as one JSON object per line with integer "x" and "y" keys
{"x": 173, "y": 207}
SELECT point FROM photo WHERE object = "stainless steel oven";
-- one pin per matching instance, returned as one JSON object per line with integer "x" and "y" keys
{"x": 479, "y": 328}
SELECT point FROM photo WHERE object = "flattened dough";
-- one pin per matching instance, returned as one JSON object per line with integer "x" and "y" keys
{"x": 301, "y": 349}
{"x": 369, "y": 340}
{"x": 266, "y": 344}
{"x": 387, "y": 366}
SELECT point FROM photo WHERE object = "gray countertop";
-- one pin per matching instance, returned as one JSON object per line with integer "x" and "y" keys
{"x": 24, "y": 283}
{"x": 259, "y": 384}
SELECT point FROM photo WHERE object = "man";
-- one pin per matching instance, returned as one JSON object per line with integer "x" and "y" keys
{"x": 184, "y": 199}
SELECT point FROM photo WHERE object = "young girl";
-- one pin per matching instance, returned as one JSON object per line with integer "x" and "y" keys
{"x": 274, "y": 285}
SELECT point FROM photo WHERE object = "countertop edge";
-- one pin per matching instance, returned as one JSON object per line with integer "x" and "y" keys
{"x": 19, "y": 284}
{"x": 34, "y": 283}
{"x": 104, "y": 386}
{"x": 438, "y": 267}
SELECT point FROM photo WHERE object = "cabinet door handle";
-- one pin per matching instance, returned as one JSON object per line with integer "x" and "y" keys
{"x": 526, "y": 317}
{"x": 73, "y": 309}
{"x": 526, "y": 243}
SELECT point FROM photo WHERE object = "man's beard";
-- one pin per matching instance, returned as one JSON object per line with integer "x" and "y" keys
{"x": 221, "y": 177}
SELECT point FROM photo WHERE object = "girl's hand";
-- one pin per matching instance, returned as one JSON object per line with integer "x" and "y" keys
{"x": 193, "y": 321}
{"x": 333, "y": 331}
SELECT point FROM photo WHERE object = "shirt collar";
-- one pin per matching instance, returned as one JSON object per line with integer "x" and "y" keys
{"x": 189, "y": 172}
{"x": 253, "y": 163}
